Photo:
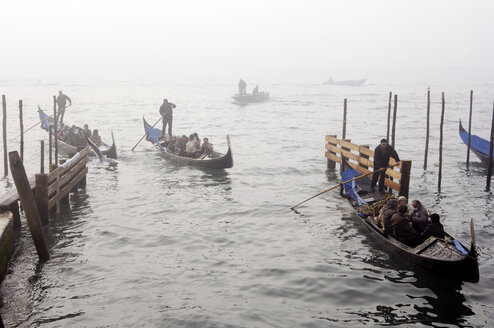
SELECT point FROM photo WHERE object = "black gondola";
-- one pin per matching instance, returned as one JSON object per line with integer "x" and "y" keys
{"x": 479, "y": 146}
{"x": 447, "y": 257}
{"x": 106, "y": 149}
{"x": 214, "y": 160}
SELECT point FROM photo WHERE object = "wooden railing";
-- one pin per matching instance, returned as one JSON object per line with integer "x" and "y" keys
{"x": 361, "y": 158}
{"x": 56, "y": 185}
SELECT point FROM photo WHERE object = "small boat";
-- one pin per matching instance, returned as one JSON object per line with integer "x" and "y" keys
{"x": 251, "y": 98}
{"x": 352, "y": 83}
{"x": 446, "y": 257}
{"x": 479, "y": 146}
{"x": 106, "y": 149}
{"x": 213, "y": 160}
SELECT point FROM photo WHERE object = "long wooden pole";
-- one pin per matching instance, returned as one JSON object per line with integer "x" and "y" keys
{"x": 394, "y": 121}
{"x": 145, "y": 134}
{"x": 343, "y": 136}
{"x": 42, "y": 157}
{"x": 5, "y": 157}
{"x": 342, "y": 183}
{"x": 489, "y": 168}
{"x": 21, "y": 130}
{"x": 427, "y": 129}
{"x": 441, "y": 145}
{"x": 50, "y": 146}
{"x": 56, "y": 130}
{"x": 469, "y": 129}
{"x": 389, "y": 116}
{"x": 29, "y": 204}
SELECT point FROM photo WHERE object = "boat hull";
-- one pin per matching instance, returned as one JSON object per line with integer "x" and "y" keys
{"x": 475, "y": 144}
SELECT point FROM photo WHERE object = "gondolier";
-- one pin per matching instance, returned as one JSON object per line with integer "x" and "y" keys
{"x": 166, "y": 110}
{"x": 382, "y": 154}
{"x": 62, "y": 105}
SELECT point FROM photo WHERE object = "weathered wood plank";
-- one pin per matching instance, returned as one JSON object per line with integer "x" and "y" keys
{"x": 333, "y": 140}
{"x": 349, "y": 145}
{"x": 64, "y": 179}
{"x": 334, "y": 158}
{"x": 366, "y": 151}
{"x": 387, "y": 182}
{"x": 12, "y": 196}
{"x": 348, "y": 154}
{"x": 62, "y": 171}
{"x": 53, "y": 200}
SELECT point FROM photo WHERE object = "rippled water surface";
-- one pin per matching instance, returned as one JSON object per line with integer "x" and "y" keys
{"x": 148, "y": 243}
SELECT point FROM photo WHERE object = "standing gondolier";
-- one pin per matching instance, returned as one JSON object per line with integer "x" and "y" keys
{"x": 382, "y": 153}
{"x": 166, "y": 110}
{"x": 62, "y": 105}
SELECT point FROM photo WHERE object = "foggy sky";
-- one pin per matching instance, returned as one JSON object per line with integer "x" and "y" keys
{"x": 275, "y": 41}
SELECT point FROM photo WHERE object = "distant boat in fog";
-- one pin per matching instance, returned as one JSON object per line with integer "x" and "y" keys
{"x": 353, "y": 83}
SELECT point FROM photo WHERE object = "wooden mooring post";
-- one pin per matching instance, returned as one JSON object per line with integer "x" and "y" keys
{"x": 469, "y": 129}
{"x": 426, "y": 153}
{"x": 344, "y": 118}
{"x": 28, "y": 202}
{"x": 489, "y": 168}
{"x": 394, "y": 121}
{"x": 56, "y": 130}
{"x": 42, "y": 157}
{"x": 389, "y": 115}
{"x": 5, "y": 158}
{"x": 331, "y": 163}
{"x": 441, "y": 145}
{"x": 21, "y": 129}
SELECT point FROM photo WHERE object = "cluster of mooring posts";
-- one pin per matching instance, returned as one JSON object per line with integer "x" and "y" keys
{"x": 40, "y": 194}
{"x": 336, "y": 147}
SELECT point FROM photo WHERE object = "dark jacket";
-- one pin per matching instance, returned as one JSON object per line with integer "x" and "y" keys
{"x": 433, "y": 229}
{"x": 402, "y": 230}
{"x": 62, "y": 101}
{"x": 167, "y": 109}
{"x": 387, "y": 215}
{"x": 381, "y": 156}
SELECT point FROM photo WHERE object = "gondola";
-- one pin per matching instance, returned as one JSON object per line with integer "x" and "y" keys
{"x": 46, "y": 121}
{"x": 214, "y": 160}
{"x": 479, "y": 146}
{"x": 446, "y": 257}
{"x": 351, "y": 83}
{"x": 251, "y": 98}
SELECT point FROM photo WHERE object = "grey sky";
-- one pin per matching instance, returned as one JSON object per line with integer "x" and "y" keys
{"x": 274, "y": 41}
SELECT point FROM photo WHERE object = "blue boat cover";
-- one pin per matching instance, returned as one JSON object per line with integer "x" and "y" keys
{"x": 153, "y": 135}
{"x": 351, "y": 187}
{"x": 476, "y": 142}
{"x": 45, "y": 121}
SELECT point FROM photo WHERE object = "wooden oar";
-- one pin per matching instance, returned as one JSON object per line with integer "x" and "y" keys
{"x": 145, "y": 134}
{"x": 35, "y": 125}
{"x": 342, "y": 183}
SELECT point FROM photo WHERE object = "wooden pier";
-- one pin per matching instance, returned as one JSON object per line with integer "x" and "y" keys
{"x": 361, "y": 158}
{"x": 40, "y": 195}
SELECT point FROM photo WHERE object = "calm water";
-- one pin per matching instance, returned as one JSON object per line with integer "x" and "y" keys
{"x": 148, "y": 243}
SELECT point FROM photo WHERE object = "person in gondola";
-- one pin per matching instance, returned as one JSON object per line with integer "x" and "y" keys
{"x": 62, "y": 105}
{"x": 382, "y": 154}
{"x": 419, "y": 216}
{"x": 190, "y": 147}
{"x": 402, "y": 229}
{"x": 87, "y": 132}
{"x": 387, "y": 214}
{"x": 206, "y": 147}
{"x": 256, "y": 90}
{"x": 166, "y": 110}
{"x": 95, "y": 137}
{"x": 242, "y": 87}
{"x": 434, "y": 228}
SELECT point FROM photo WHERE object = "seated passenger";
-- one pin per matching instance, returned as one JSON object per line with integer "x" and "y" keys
{"x": 206, "y": 147}
{"x": 402, "y": 229}
{"x": 96, "y": 138}
{"x": 255, "y": 91}
{"x": 388, "y": 214}
{"x": 87, "y": 132}
{"x": 190, "y": 147}
{"x": 181, "y": 144}
{"x": 197, "y": 141}
{"x": 434, "y": 228}
{"x": 402, "y": 200}
{"x": 418, "y": 217}
{"x": 172, "y": 144}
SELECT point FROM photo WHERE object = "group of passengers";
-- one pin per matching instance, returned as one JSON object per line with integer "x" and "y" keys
{"x": 77, "y": 137}
{"x": 411, "y": 226}
{"x": 191, "y": 146}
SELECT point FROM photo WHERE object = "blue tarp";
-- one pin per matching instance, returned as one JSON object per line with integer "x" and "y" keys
{"x": 351, "y": 187}
{"x": 153, "y": 135}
